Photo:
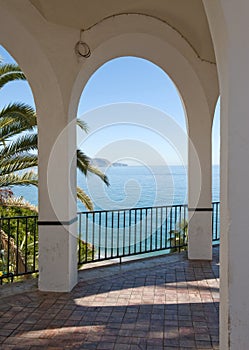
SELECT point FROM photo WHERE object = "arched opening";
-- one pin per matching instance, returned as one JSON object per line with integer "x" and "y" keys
{"x": 216, "y": 173}
{"x": 216, "y": 153}
{"x": 19, "y": 92}
{"x": 198, "y": 101}
{"x": 132, "y": 85}
{"x": 18, "y": 172}
{"x": 113, "y": 103}
{"x": 138, "y": 137}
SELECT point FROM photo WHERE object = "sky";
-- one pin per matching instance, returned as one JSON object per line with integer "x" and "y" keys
{"x": 117, "y": 99}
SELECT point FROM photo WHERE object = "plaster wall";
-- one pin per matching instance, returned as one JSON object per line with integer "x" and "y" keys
{"x": 229, "y": 28}
{"x": 57, "y": 178}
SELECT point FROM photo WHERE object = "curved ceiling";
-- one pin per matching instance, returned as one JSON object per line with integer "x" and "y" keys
{"x": 187, "y": 17}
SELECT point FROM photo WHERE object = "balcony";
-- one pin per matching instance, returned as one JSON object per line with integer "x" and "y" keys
{"x": 163, "y": 302}
{"x": 102, "y": 235}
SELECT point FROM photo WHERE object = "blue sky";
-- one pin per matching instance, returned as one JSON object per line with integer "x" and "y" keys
{"x": 123, "y": 80}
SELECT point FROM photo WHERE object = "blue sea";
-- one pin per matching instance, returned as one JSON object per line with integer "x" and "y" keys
{"x": 133, "y": 187}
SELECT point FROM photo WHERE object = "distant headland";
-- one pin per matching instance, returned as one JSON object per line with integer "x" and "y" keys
{"x": 104, "y": 163}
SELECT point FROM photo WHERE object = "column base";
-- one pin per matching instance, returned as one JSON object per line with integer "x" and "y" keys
{"x": 57, "y": 258}
{"x": 200, "y": 236}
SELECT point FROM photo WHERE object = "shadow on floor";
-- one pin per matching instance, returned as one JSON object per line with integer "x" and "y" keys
{"x": 162, "y": 306}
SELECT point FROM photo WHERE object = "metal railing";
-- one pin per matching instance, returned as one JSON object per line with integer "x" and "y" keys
{"x": 216, "y": 222}
{"x": 103, "y": 235}
{"x": 116, "y": 234}
{"x": 18, "y": 246}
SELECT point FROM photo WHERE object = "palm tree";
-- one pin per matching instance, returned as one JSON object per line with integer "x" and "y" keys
{"x": 18, "y": 142}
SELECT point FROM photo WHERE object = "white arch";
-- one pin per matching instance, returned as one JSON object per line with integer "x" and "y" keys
{"x": 148, "y": 38}
{"x": 198, "y": 100}
{"x": 25, "y": 49}
{"x": 46, "y": 54}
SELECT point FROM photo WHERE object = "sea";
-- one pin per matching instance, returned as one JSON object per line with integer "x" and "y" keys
{"x": 133, "y": 187}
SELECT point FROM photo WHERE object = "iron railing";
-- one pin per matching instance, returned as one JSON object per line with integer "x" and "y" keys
{"x": 18, "y": 246}
{"x": 216, "y": 222}
{"x": 103, "y": 235}
{"x": 116, "y": 234}
{"x": 113, "y": 234}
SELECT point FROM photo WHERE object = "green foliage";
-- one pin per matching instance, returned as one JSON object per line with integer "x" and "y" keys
{"x": 179, "y": 237}
{"x": 84, "y": 198}
{"x": 18, "y": 239}
{"x": 10, "y": 211}
{"x": 18, "y": 230}
{"x": 86, "y": 251}
{"x": 10, "y": 72}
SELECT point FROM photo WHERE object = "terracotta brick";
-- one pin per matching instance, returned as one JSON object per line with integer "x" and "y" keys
{"x": 160, "y": 303}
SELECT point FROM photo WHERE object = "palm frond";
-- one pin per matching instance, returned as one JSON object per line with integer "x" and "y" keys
{"x": 20, "y": 112}
{"x": 7, "y": 68}
{"x": 10, "y": 72}
{"x": 23, "y": 144}
{"x": 84, "y": 198}
{"x": 17, "y": 163}
{"x": 83, "y": 164}
{"x": 83, "y": 125}
{"x": 26, "y": 179}
{"x": 16, "y": 118}
{"x": 94, "y": 170}
{"x": 83, "y": 161}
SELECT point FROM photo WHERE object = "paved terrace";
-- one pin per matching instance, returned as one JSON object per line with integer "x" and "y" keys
{"x": 158, "y": 303}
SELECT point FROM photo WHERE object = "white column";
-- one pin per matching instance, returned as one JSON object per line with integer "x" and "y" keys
{"x": 57, "y": 202}
{"x": 235, "y": 193}
{"x": 200, "y": 183}
{"x": 50, "y": 67}
{"x": 229, "y": 27}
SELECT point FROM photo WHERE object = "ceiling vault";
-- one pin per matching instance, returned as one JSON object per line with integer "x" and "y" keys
{"x": 158, "y": 19}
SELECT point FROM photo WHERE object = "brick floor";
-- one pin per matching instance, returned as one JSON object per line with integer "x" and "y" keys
{"x": 160, "y": 303}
